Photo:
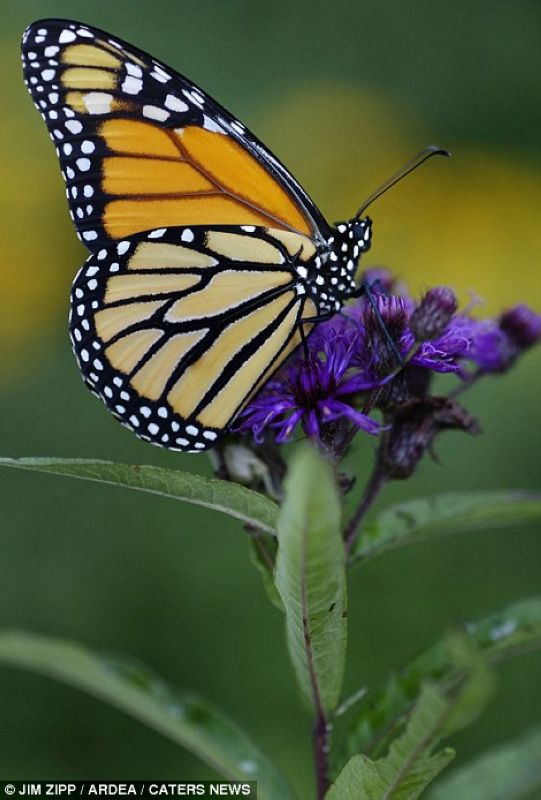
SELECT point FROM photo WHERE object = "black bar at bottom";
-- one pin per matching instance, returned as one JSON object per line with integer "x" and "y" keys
{"x": 126, "y": 789}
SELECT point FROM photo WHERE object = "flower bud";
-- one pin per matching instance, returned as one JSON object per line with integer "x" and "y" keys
{"x": 392, "y": 312}
{"x": 433, "y": 313}
{"x": 492, "y": 349}
{"x": 379, "y": 279}
{"x": 385, "y": 324}
{"x": 522, "y": 326}
{"x": 416, "y": 426}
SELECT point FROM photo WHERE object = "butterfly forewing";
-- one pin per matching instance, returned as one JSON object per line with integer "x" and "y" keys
{"x": 174, "y": 329}
{"x": 142, "y": 147}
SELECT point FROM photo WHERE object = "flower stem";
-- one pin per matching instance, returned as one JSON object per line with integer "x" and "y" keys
{"x": 377, "y": 481}
{"x": 321, "y": 732}
{"x": 466, "y": 384}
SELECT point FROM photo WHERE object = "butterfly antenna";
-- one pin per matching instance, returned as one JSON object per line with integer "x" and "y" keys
{"x": 415, "y": 162}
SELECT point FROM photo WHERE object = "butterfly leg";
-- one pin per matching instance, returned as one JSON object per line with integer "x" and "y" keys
{"x": 312, "y": 321}
{"x": 319, "y": 317}
{"x": 303, "y": 340}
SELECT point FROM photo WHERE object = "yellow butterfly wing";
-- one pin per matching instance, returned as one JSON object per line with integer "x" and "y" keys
{"x": 176, "y": 328}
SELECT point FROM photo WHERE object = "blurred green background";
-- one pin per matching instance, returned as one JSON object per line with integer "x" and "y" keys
{"x": 344, "y": 93}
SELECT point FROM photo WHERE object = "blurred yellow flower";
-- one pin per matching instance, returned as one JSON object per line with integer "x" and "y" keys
{"x": 40, "y": 253}
{"x": 472, "y": 222}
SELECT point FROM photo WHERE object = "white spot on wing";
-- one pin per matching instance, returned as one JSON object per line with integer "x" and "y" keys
{"x": 175, "y": 104}
{"x": 98, "y": 102}
{"x": 155, "y": 112}
{"x": 134, "y": 69}
{"x": 161, "y": 75}
{"x": 210, "y": 125}
{"x": 194, "y": 97}
{"x": 66, "y": 36}
{"x": 132, "y": 85}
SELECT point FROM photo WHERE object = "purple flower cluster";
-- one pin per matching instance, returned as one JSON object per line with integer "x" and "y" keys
{"x": 382, "y": 355}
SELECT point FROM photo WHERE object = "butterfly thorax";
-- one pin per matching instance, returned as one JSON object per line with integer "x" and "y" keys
{"x": 336, "y": 264}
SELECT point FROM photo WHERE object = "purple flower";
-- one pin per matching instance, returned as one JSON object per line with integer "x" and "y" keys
{"x": 522, "y": 326}
{"x": 313, "y": 391}
{"x": 447, "y": 351}
{"x": 498, "y": 343}
{"x": 380, "y": 353}
{"x": 492, "y": 350}
{"x": 433, "y": 314}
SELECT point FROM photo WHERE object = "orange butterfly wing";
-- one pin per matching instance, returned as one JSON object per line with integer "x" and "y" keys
{"x": 141, "y": 147}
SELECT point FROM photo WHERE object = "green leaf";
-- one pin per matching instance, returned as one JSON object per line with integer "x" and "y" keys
{"x": 511, "y": 771}
{"x": 410, "y": 765}
{"x": 468, "y": 695}
{"x": 442, "y": 515}
{"x": 310, "y": 577}
{"x": 408, "y": 768}
{"x": 230, "y": 498}
{"x": 263, "y": 548}
{"x": 510, "y": 632}
{"x": 183, "y": 718}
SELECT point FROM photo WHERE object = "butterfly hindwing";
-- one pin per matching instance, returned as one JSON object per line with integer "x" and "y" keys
{"x": 175, "y": 329}
{"x": 141, "y": 147}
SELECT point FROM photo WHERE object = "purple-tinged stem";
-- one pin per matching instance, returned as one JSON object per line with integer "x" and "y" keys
{"x": 466, "y": 384}
{"x": 321, "y": 731}
{"x": 377, "y": 481}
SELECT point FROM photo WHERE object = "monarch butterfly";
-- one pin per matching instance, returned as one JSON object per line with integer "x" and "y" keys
{"x": 207, "y": 257}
